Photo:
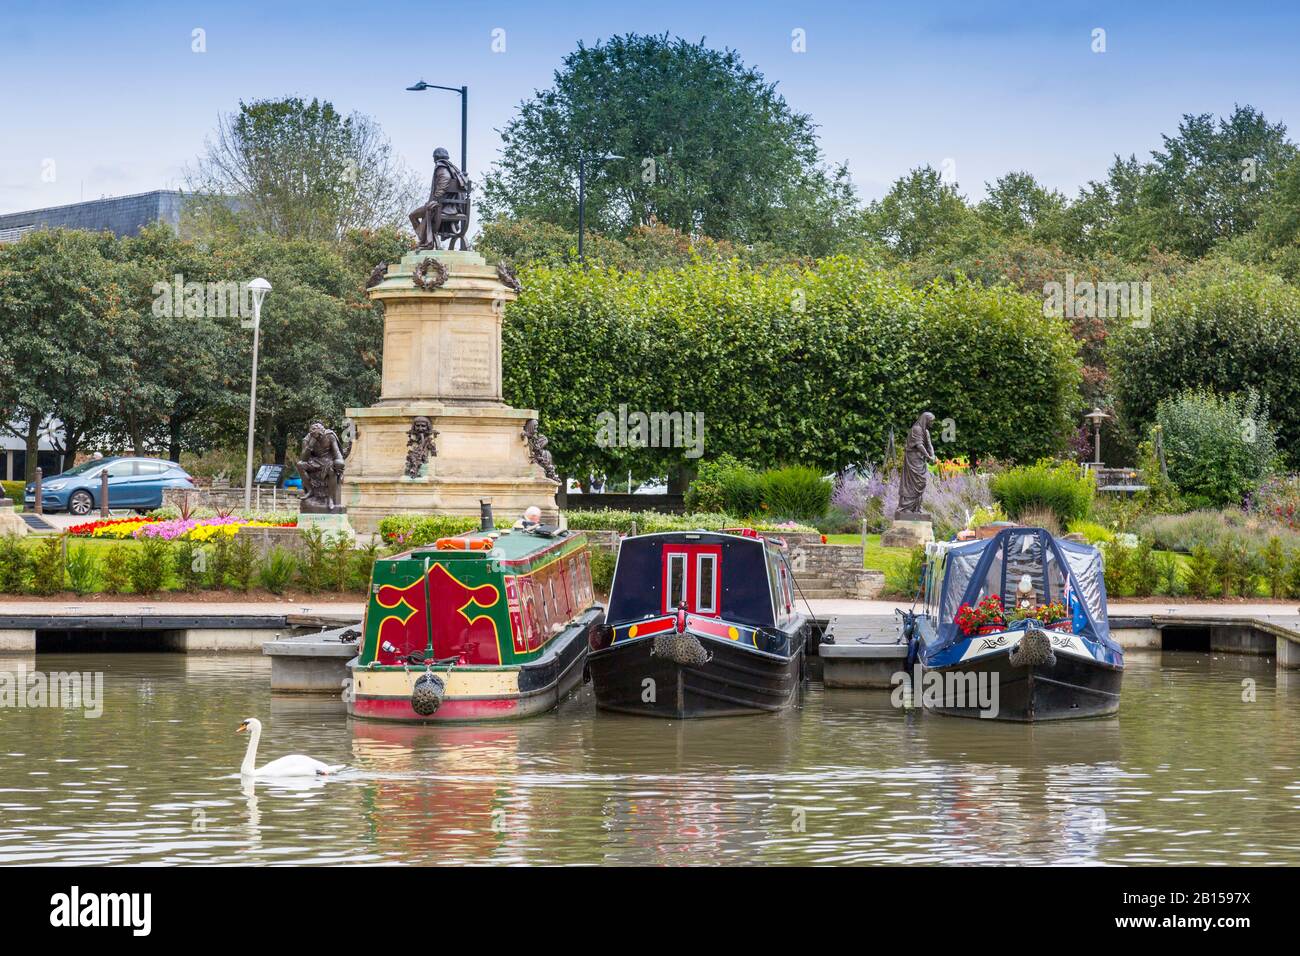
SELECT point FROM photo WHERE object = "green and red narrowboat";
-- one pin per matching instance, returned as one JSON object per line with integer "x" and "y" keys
{"x": 480, "y": 626}
{"x": 700, "y": 624}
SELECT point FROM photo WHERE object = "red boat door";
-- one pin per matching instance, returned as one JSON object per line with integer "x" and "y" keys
{"x": 692, "y": 573}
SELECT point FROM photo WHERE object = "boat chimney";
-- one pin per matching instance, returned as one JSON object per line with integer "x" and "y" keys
{"x": 486, "y": 525}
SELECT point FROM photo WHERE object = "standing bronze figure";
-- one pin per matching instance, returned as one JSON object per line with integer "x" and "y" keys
{"x": 917, "y": 454}
{"x": 446, "y": 214}
{"x": 321, "y": 468}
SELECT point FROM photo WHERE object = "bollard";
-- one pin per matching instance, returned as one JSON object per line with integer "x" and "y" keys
{"x": 39, "y": 507}
{"x": 103, "y": 493}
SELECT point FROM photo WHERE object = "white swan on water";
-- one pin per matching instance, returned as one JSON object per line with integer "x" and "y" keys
{"x": 294, "y": 765}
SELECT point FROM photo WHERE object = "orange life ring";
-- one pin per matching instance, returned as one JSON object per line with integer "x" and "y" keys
{"x": 464, "y": 544}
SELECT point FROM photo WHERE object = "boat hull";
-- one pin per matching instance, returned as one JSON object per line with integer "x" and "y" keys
{"x": 479, "y": 693}
{"x": 1071, "y": 688}
{"x": 629, "y": 678}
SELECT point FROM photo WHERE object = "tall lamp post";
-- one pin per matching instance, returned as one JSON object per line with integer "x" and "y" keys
{"x": 582, "y": 194}
{"x": 259, "y": 288}
{"x": 464, "y": 113}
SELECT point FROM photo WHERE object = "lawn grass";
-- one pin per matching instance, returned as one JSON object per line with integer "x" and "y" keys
{"x": 875, "y": 555}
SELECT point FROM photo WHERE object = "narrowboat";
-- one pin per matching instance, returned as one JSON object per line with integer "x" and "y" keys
{"x": 700, "y": 624}
{"x": 1014, "y": 627}
{"x": 486, "y": 625}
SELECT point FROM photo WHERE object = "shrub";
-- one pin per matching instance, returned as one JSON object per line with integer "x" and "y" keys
{"x": 602, "y": 570}
{"x": 1293, "y": 576}
{"x": 313, "y": 570}
{"x": 1217, "y": 448}
{"x": 83, "y": 569}
{"x": 277, "y": 569}
{"x": 218, "y": 559}
{"x": 1170, "y": 582}
{"x": 114, "y": 569}
{"x": 15, "y": 565}
{"x": 1060, "y": 487}
{"x": 244, "y": 561}
{"x": 1039, "y": 517}
{"x": 903, "y": 579}
{"x": 14, "y": 490}
{"x": 47, "y": 567}
{"x": 147, "y": 565}
{"x": 1278, "y": 498}
{"x": 1240, "y": 328}
{"x": 189, "y": 564}
{"x": 646, "y": 522}
{"x": 1146, "y": 571}
{"x": 1118, "y": 568}
{"x": 1210, "y": 528}
{"x": 1201, "y": 572}
{"x": 411, "y": 530}
{"x": 1092, "y": 532}
{"x": 838, "y": 521}
{"x": 1275, "y": 563}
{"x": 796, "y": 492}
{"x": 725, "y": 485}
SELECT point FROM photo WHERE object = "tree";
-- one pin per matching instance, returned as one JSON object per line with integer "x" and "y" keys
{"x": 708, "y": 147}
{"x": 300, "y": 170}
{"x": 921, "y": 215}
{"x": 66, "y": 326}
{"x": 1017, "y": 205}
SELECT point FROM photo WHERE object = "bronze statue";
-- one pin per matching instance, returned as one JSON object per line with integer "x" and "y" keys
{"x": 537, "y": 452}
{"x": 321, "y": 468}
{"x": 377, "y": 275}
{"x": 446, "y": 214}
{"x": 917, "y": 453}
{"x": 420, "y": 446}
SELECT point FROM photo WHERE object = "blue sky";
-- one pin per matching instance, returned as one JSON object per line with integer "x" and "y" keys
{"x": 114, "y": 96}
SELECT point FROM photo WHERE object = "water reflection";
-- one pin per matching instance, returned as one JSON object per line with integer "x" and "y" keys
{"x": 1199, "y": 767}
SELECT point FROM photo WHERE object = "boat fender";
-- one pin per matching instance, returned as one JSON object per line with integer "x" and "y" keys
{"x": 1034, "y": 648}
{"x": 682, "y": 648}
{"x": 427, "y": 695}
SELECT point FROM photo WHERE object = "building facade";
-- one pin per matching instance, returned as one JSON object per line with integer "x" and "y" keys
{"x": 121, "y": 215}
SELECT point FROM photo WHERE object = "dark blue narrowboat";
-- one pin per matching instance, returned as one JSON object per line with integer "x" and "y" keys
{"x": 1015, "y": 627}
{"x": 700, "y": 624}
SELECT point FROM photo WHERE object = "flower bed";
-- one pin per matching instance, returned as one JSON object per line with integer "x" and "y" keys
{"x": 112, "y": 528}
{"x": 176, "y": 529}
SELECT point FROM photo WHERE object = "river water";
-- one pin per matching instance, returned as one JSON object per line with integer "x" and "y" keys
{"x": 1189, "y": 772}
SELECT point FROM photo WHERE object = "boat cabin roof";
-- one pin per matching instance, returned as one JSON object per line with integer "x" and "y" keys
{"x": 510, "y": 547}
{"x": 741, "y": 577}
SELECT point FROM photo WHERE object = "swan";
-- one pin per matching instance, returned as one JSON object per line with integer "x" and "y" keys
{"x": 294, "y": 765}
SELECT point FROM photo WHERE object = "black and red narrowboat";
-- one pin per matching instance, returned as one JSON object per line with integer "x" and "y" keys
{"x": 700, "y": 624}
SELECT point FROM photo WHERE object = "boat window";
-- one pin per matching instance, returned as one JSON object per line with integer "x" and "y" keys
{"x": 706, "y": 598}
{"x": 773, "y": 586}
{"x": 676, "y": 579}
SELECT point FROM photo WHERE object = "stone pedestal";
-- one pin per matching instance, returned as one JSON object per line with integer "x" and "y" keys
{"x": 907, "y": 533}
{"x": 331, "y": 525}
{"x": 10, "y": 523}
{"x": 442, "y": 360}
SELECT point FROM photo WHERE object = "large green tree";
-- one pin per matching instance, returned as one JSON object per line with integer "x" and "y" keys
{"x": 299, "y": 170}
{"x": 707, "y": 145}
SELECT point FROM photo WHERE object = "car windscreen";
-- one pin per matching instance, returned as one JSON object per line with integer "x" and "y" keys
{"x": 84, "y": 468}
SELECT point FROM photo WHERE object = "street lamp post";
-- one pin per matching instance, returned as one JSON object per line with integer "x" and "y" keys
{"x": 464, "y": 113}
{"x": 582, "y": 195}
{"x": 259, "y": 288}
{"x": 1096, "y": 416}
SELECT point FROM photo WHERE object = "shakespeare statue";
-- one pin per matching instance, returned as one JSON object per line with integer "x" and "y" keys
{"x": 446, "y": 214}
{"x": 321, "y": 468}
{"x": 420, "y": 445}
{"x": 537, "y": 452}
{"x": 917, "y": 454}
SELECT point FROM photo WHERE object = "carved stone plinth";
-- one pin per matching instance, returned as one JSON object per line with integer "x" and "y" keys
{"x": 442, "y": 361}
{"x": 907, "y": 533}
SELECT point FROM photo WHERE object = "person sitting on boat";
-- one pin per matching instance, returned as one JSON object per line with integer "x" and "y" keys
{"x": 531, "y": 519}
{"x": 1025, "y": 594}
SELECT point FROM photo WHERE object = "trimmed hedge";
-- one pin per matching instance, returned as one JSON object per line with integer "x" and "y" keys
{"x": 1059, "y": 487}
{"x": 790, "y": 365}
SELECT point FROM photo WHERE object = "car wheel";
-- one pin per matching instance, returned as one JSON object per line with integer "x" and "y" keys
{"x": 81, "y": 503}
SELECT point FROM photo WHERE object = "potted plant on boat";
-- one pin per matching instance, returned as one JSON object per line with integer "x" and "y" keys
{"x": 986, "y": 617}
{"x": 1053, "y": 616}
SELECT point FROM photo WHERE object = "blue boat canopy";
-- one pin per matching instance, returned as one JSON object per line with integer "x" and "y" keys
{"x": 1059, "y": 571}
